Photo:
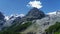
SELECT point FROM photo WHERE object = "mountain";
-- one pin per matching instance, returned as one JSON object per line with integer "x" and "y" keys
{"x": 2, "y": 20}
{"x": 12, "y": 19}
{"x": 54, "y": 13}
{"x": 1, "y": 16}
{"x": 39, "y": 26}
{"x": 49, "y": 20}
{"x": 34, "y": 13}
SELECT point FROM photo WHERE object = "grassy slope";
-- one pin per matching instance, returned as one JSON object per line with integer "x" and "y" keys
{"x": 54, "y": 29}
{"x": 17, "y": 29}
{"x": 33, "y": 28}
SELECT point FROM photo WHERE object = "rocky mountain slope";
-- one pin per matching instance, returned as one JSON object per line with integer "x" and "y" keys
{"x": 34, "y": 14}
{"x": 2, "y": 20}
{"x": 41, "y": 24}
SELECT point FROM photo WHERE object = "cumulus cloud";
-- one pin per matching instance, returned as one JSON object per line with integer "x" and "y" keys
{"x": 36, "y": 4}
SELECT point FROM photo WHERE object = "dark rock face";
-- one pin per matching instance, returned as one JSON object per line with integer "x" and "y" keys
{"x": 11, "y": 17}
{"x": 35, "y": 14}
{"x": 2, "y": 21}
{"x": 18, "y": 19}
{"x": 1, "y": 16}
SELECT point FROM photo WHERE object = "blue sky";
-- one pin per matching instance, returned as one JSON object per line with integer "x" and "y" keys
{"x": 8, "y": 7}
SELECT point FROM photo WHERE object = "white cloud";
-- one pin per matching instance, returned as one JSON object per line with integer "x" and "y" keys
{"x": 36, "y": 4}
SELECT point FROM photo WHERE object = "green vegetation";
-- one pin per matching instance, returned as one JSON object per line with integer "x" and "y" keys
{"x": 9, "y": 32}
{"x": 16, "y": 29}
{"x": 54, "y": 29}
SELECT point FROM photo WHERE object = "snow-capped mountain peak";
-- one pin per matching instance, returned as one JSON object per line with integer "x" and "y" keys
{"x": 51, "y": 13}
{"x": 54, "y": 13}
{"x": 7, "y": 17}
{"x": 14, "y": 16}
